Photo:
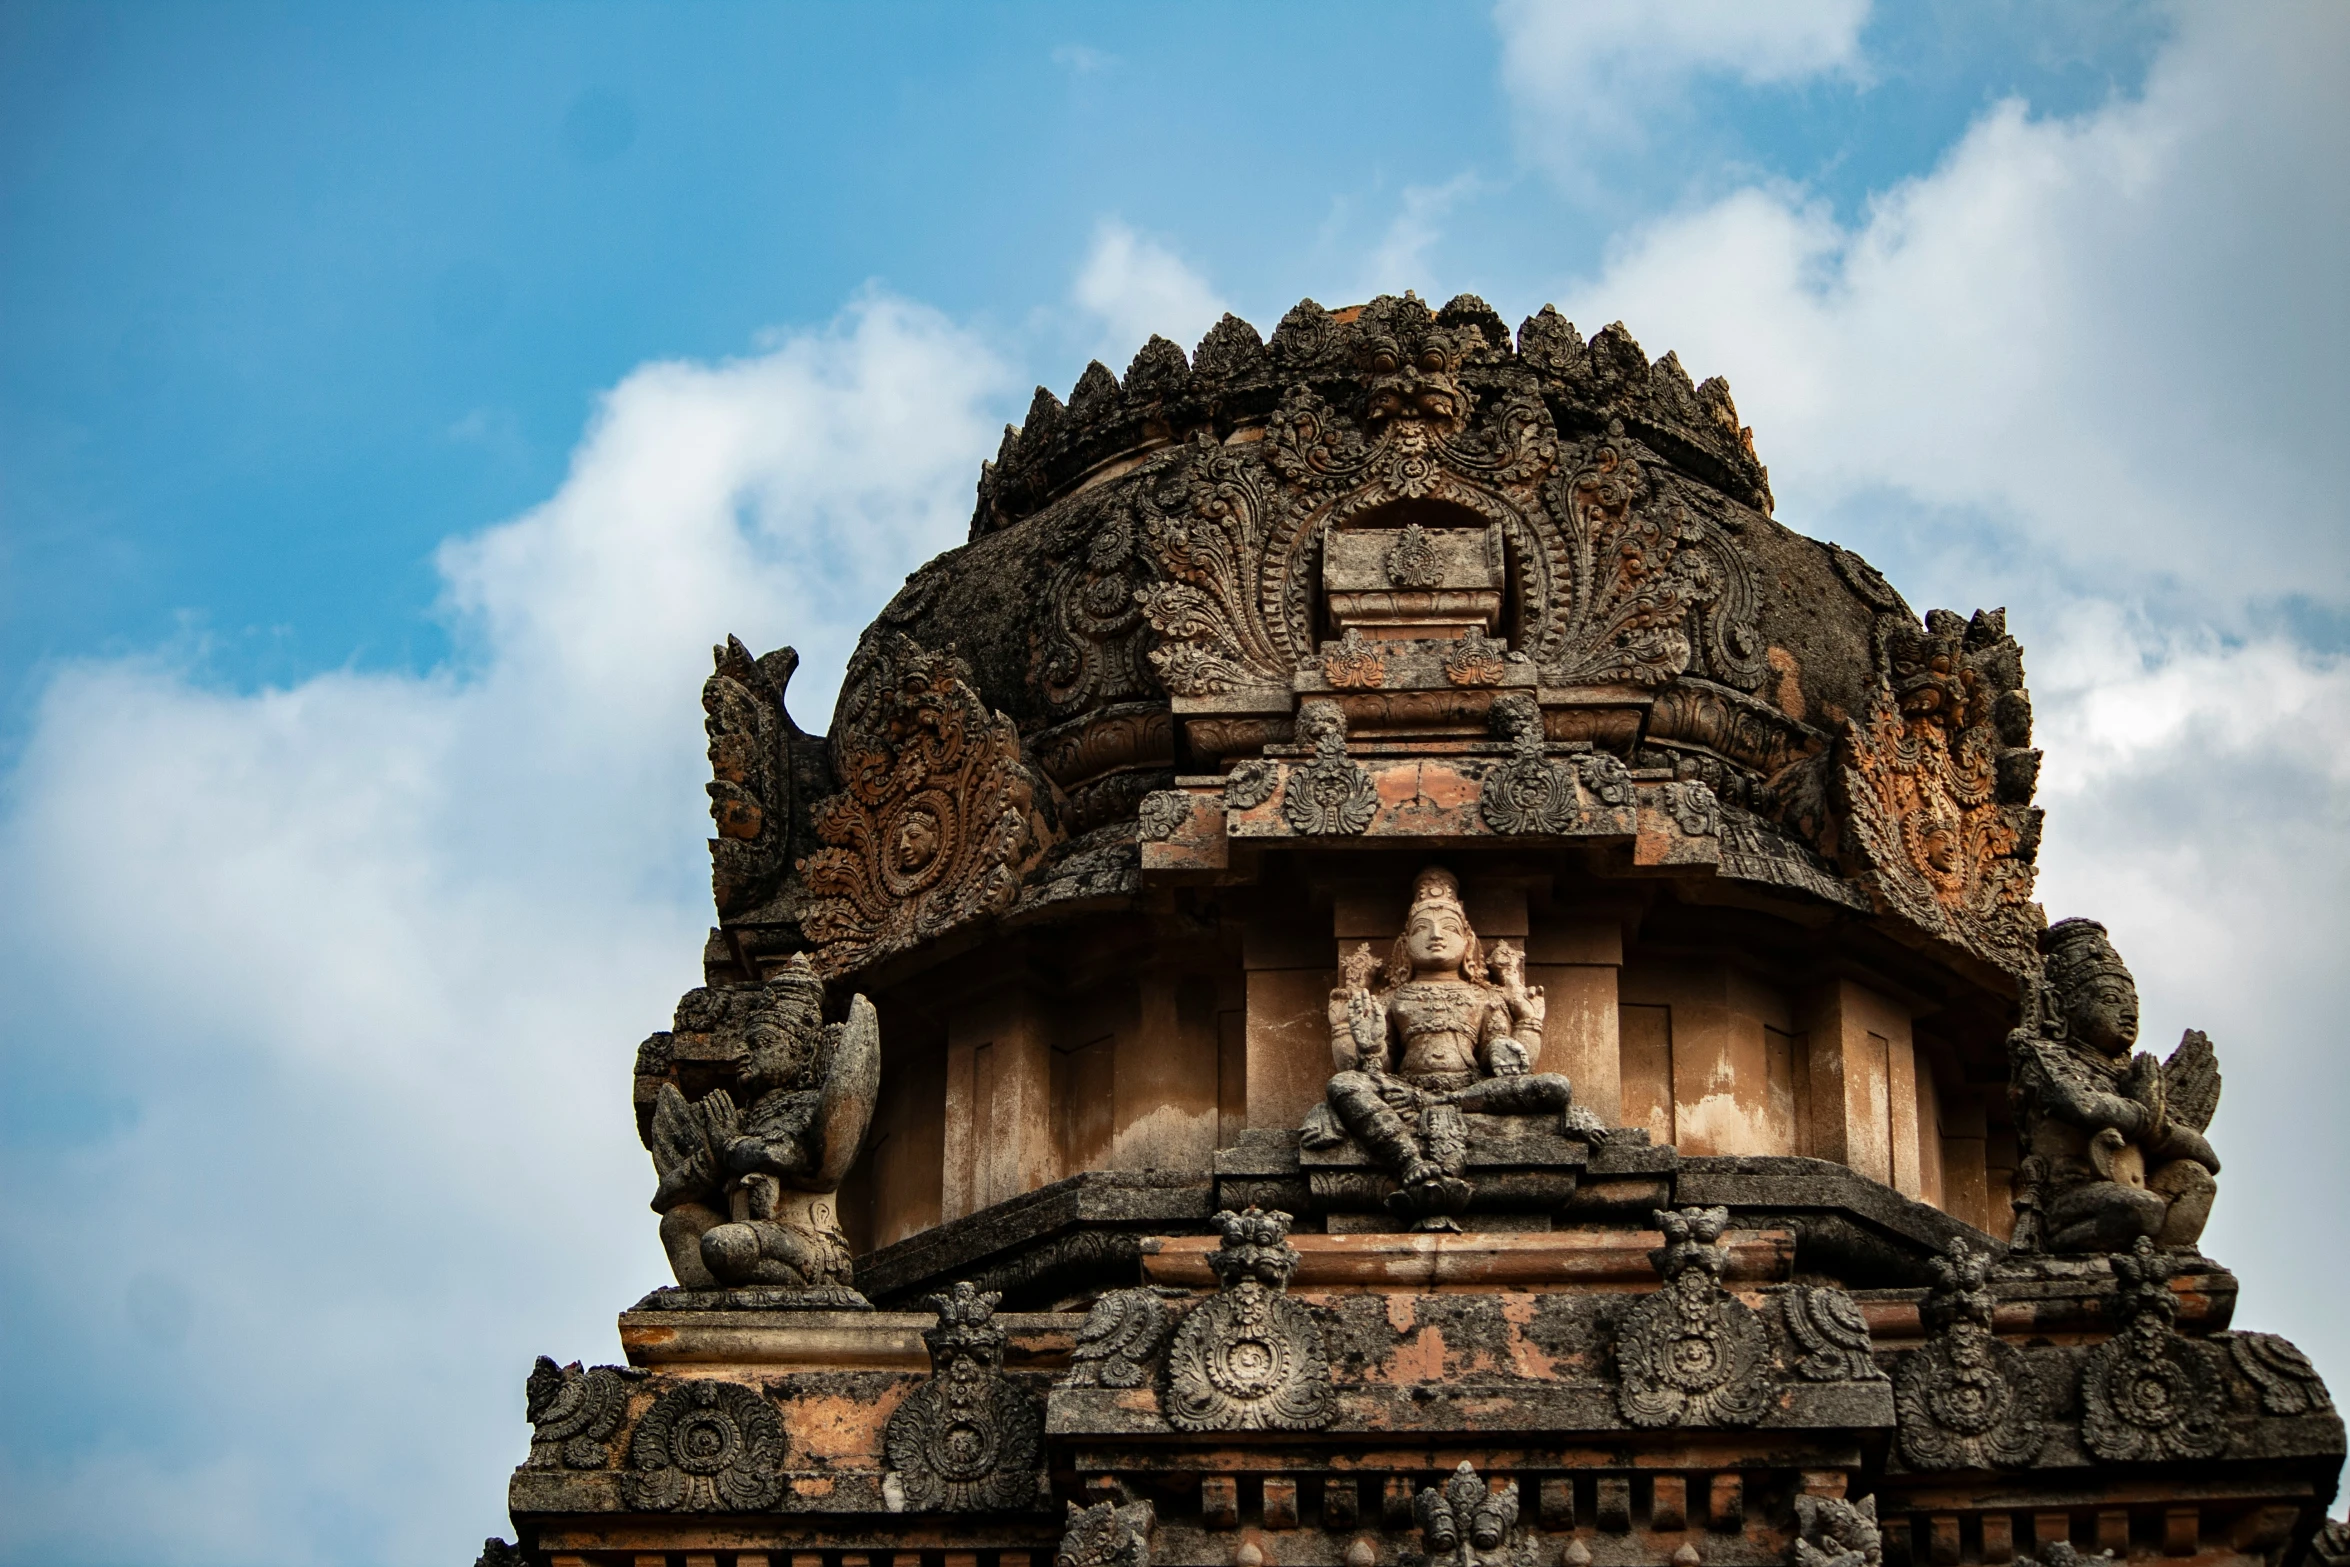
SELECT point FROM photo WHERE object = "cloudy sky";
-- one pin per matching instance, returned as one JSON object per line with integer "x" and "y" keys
{"x": 396, "y": 402}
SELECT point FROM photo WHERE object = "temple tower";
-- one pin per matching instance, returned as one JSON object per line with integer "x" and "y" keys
{"x": 1385, "y": 968}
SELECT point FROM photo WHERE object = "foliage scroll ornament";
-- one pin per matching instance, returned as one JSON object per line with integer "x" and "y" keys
{"x": 1616, "y": 577}
{"x": 1831, "y": 1336}
{"x": 938, "y": 818}
{"x": 1935, "y": 780}
{"x": 573, "y": 1413}
{"x": 1119, "y": 1340}
{"x": 969, "y": 1439}
{"x": 1250, "y": 1358}
{"x": 1330, "y": 795}
{"x": 1966, "y": 1400}
{"x": 2288, "y": 1383}
{"x": 1535, "y": 793}
{"x": 1692, "y": 1354}
{"x": 705, "y": 1446}
{"x": 1089, "y": 649}
{"x": 2148, "y": 1393}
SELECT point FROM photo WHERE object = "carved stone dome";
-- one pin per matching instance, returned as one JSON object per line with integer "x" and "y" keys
{"x": 1409, "y": 516}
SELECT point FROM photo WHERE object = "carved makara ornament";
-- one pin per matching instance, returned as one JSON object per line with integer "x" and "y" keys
{"x": 1250, "y": 1358}
{"x": 1831, "y": 1336}
{"x": 1613, "y": 576}
{"x": 1832, "y": 1532}
{"x": 705, "y": 1446}
{"x": 1119, "y": 1340}
{"x": 751, "y": 760}
{"x": 573, "y": 1413}
{"x": 1692, "y": 1354}
{"x": 747, "y": 1192}
{"x": 969, "y": 1439}
{"x": 2148, "y": 1393}
{"x": 1107, "y": 1534}
{"x": 938, "y": 818}
{"x": 1966, "y": 1400}
{"x": 1090, "y": 650}
{"x": 1935, "y": 782}
{"x": 1330, "y": 795}
{"x": 1467, "y": 1523}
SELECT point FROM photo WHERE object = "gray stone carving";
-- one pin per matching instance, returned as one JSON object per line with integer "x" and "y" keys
{"x": 969, "y": 1439}
{"x": 2147, "y": 1393}
{"x": 1107, "y": 1534}
{"x": 1330, "y": 795}
{"x": 573, "y": 1413}
{"x": 1832, "y": 1532}
{"x": 1692, "y": 1354}
{"x": 1119, "y": 1340}
{"x": 1831, "y": 1335}
{"x": 1966, "y": 1400}
{"x": 746, "y": 1194}
{"x": 1250, "y": 1359}
{"x": 1467, "y": 1523}
{"x": 705, "y": 1446}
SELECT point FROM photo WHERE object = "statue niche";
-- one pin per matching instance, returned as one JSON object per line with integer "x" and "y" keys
{"x": 746, "y": 1194}
{"x": 1442, "y": 1036}
{"x": 2113, "y": 1141}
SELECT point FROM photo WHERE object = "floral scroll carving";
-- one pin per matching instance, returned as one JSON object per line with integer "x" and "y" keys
{"x": 1119, "y": 1340}
{"x": 1614, "y": 576}
{"x": 705, "y": 1446}
{"x": 969, "y": 1439}
{"x": 573, "y": 1413}
{"x": 1935, "y": 780}
{"x": 1089, "y": 648}
{"x": 2147, "y": 1393}
{"x": 1250, "y": 1358}
{"x": 938, "y": 819}
{"x": 1831, "y": 1335}
{"x": 1966, "y": 1400}
{"x": 1692, "y": 1354}
{"x": 1535, "y": 793}
{"x": 1330, "y": 794}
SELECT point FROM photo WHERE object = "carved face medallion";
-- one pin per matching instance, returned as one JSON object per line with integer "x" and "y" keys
{"x": 917, "y": 841}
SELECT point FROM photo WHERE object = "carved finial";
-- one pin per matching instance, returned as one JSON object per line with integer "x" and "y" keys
{"x": 966, "y": 1326}
{"x": 1256, "y": 1246}
{"x": 1466, "y": 1520}
{"x": 1961, "y": 1292}
{"x": 2142, "y": 1278}
{"x": 1691, "y": 1235}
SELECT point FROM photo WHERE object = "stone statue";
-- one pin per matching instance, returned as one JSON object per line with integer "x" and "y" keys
{"x": 1445, "y": 1034}
{"x": 746, "y": 1195}
{"x": 2113, "y": 1142}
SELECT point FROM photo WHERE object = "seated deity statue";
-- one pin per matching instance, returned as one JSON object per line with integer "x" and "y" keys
{"x": 747, "y": 1196}
{"x": 1444, "y": 1034}
{"x": 2113, "y": 1142}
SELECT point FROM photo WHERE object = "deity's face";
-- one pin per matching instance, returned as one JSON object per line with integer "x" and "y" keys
{"x": 1437, "y": 938}
{"x": 2102, "y": 1013}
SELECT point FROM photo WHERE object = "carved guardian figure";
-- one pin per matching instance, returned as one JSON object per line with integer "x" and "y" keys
{"x": 747, "y": 1193}
{"x": 2113, "y": 1142}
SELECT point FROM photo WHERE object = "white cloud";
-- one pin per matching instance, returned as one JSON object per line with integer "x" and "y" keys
{"x": 2089, "y": 367}
{"x": 1134, "y": 287}
{"x": 1400, "y": 260}
{"x": 2116, "y": 337}
{"x": 321, "y": 1001}
{"x": 1589, "y": 78}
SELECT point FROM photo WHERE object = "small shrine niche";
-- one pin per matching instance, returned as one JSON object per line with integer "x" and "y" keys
{"x": 1415, "y": 571}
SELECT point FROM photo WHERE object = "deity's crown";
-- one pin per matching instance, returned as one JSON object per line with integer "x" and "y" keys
{"x": 1438, "y": 886}
{"x": 2078, "y": 950}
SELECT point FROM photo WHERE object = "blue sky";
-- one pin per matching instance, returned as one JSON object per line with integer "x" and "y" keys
{"x": 395, "y": 402}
